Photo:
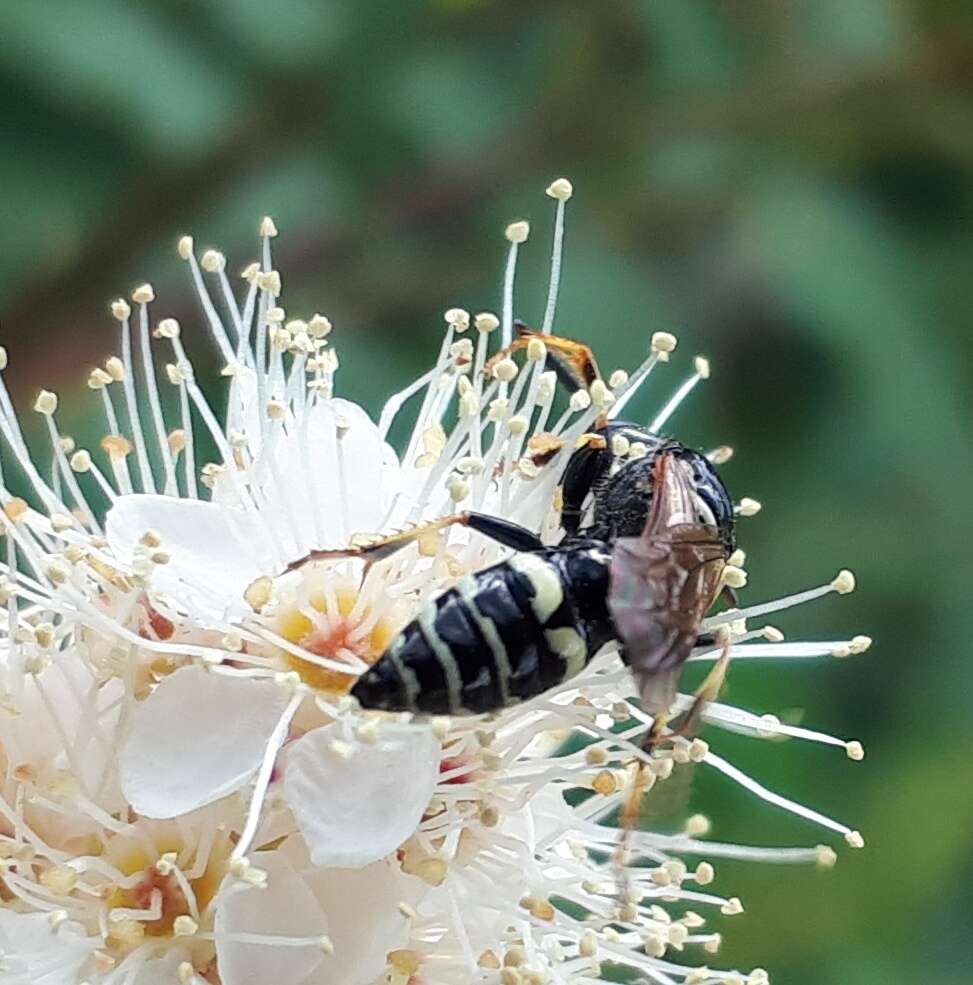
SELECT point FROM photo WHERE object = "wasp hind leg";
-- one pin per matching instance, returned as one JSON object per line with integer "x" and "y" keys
{"x": 504, "y": 532}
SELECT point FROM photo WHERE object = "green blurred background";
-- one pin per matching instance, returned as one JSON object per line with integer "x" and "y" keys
{"x": 786, "y": 185}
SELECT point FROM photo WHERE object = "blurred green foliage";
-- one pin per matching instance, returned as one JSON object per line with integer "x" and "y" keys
{"x": 786, "y": 185}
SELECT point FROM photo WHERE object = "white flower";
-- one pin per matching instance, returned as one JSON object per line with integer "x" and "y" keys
{"x": 187, "y": 791}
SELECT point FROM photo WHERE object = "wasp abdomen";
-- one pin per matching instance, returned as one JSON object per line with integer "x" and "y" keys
{"x": 500, "y": 636}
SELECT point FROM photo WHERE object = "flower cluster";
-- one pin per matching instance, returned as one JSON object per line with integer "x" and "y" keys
{"x": 188, "y": 795}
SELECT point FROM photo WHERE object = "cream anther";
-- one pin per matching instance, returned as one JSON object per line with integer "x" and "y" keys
{"x": 258, "y": 593}
{"x": 212, "y": 261}
{"x": 184, "y": 926}
{"x": 498, "y": 408}
{"x": 46, "y": 403}
{"x": 319, "y": 326}
{"x": 618, "y": 379}
{"x": 143, "y": 294}
{"x": 620, "y": 445}
{"x": 701, "y": 364}
{"x": 486, "y": 321}
{"x": 458, "y": 488}
{"x": 844, "y": 582}
{"x": 600, "y": 395}
{"x": 580, "y": 400}
{"x": 536, "y": 350}
{"x": 168, "y": 328}
{"x": 185, "y": 247}
{"x": 457, "y": 318}
{"x": 697, "y": 825}
{"x": 561, "y": 189}
{"x": 749, "y": 507}
{"x": 268, "y": 227}
{"x": 505, "y": 370}
{"x": 734, "y": 577}
{"x": 120, "y": 309}
{"x": 826, "y": 856}
{"x": 517, "y": 232}
{"x": 81, "y": 461}
{"x": 663, "y": 342}
{"x": 98, "y": 378}
{"x": 855, "y": 750}
{"x": 269, "y": 281}
{"x": 704, "y": 873}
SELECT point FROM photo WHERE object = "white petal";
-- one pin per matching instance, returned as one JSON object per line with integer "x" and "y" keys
{"x": 32, "y": 952}
{"x": 164, "y": 970}
{"x": 357, "y": 802}
{"x": 215, "y": 551}
{"x": 348, "y": 481}
{"x": 198, "y": 737}
{"x": 286, "y": 907}
{"x": 243, "y": 410}
{"x": 364, "y": 921}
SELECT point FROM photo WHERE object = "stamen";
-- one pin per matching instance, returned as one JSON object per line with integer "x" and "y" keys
{"x": 561, "y": 190}
{"x": 262, "y": 782}
{"x": 773, "y": 798}
{"x": 121, "y": 311}
{"x": 155, "y": 407}
{"x": 212, "y": 317}
{"x": 753, "y": 611}
{"x": 516, "y": 233}
{"x": 702, "y": 373}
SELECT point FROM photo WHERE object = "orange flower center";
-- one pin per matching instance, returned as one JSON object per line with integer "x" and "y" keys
{"x": 333, "y": 625}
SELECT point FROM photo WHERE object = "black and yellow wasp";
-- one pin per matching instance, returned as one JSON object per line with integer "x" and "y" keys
{"x": 640, "y": 562}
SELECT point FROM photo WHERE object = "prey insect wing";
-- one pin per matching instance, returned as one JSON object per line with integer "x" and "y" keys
{"x": 662, "y": 585}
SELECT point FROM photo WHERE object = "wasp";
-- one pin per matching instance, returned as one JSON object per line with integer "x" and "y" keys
{"x": 640, "y": 562}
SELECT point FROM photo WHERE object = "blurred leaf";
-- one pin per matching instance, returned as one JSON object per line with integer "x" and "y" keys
{"x": 292, "y": 34}
{"x": 110, "y": 58}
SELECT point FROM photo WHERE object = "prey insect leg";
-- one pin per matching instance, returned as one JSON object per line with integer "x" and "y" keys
{"x": 658, "y": 733}
{"x": 502, "y": 531}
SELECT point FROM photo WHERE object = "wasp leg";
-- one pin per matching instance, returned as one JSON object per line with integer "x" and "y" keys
{"x": 502, "y": 531}
{"x": 574, "y": 362}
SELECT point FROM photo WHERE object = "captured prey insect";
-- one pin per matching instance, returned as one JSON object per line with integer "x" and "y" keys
{"x": 643, "y": 571}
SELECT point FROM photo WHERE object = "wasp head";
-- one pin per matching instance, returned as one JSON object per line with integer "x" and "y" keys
{"x": 622, "y": 506}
